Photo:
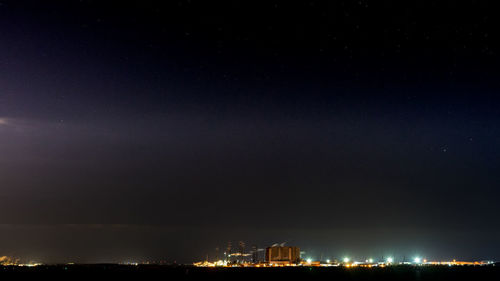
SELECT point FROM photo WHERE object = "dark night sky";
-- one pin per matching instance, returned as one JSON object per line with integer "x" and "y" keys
{"x": 161, "y": 131}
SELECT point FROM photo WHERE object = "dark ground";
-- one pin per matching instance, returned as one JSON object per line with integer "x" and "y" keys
{"x": 305, "y": 273}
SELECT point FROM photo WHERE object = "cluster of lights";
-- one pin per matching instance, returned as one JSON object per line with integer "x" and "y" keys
{"x": 388, "y": 260}
{"x": 348, "y": 262}
{"x": 418, "y": 261}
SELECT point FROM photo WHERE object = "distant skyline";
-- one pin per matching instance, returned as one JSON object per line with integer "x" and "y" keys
{"x": 159, "y": 131}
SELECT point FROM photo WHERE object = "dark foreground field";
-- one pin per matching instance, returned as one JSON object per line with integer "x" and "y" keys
{"x": 192, "y": 273}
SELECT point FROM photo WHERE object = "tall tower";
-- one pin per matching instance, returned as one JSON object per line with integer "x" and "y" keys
{"x": 255, "y": 254}
{"x": 228, "y": 251}
{"x": 242, "y": 247}
{"x": 242, "y": 251}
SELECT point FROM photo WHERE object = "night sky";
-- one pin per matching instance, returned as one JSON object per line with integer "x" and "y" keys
{"x": 160, "y": 131}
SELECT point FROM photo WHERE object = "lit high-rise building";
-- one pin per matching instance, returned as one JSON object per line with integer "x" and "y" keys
{"x": 255, "y": 254}
{"x": 282, "y": 254}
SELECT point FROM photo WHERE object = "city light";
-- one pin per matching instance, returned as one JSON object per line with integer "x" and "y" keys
{"x": 278, "y": 256}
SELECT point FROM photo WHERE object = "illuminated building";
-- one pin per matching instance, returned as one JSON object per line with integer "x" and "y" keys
{"x": 282, "y": 255}
{"x": 242, "y": 247}
{"x": 228, "y": 251}
{"x": 255, "y": 254}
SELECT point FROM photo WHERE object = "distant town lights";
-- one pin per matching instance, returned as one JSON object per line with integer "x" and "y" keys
{"x": 346, "y": 259}
{"x": 390, "y": 260}
{"x": 417, "y": 260}
{"x": 309, "y": 260}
